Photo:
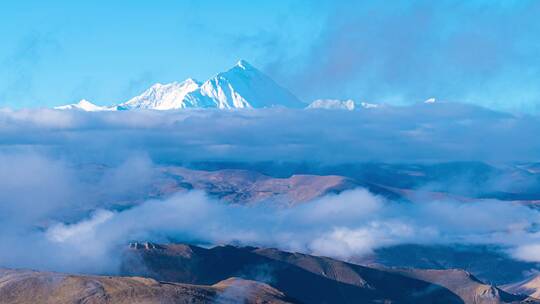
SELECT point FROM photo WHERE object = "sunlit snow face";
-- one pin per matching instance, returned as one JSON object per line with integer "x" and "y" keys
{"x": 241, "y": 87}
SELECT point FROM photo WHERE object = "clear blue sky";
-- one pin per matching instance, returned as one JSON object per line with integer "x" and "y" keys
{"x": 485, "y": 52}
{"x": 55, "y": 52}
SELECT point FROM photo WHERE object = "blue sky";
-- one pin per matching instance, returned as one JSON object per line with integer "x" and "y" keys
{"x": 482, "y": 52}
{"x": 60, "y": 51}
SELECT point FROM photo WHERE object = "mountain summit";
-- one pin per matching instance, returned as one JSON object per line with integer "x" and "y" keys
{"x": 242, "y": 86}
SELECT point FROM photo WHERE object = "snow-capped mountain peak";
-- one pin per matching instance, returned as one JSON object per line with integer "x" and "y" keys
{"x": 242, "y": 86}
{"x": 83, "y": 105}
{"x": 163, "y": 96}
{"x": 242, "y": 64}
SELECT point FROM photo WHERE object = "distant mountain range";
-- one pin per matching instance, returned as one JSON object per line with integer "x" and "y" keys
{"x": 242, "y": 86}
{"x": 85, "y": 105}
{"x": 180, "y": 273}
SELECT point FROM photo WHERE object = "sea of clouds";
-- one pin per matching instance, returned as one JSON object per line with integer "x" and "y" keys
{"x": 346, "y": 225}
{"x": 54, "y": 214}
{"x": 422, "y": 132}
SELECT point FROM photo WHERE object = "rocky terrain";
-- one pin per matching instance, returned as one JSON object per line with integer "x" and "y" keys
{"x": 178, "y": 273}
{"x": 466, "y": 286}
{"x": 290, "y": 184}
{"x": 22, "y": 286}
{"x": 247, "y": 187}
{"x": 529, "y": 286}
{"x": 420, "y": 182}
{"x": 310, "y": 279}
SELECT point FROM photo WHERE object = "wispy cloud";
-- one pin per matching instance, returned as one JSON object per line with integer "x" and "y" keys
{"x": 347, "y": 225}
{"x": 479, "y": 52}
{"x": 64, "y": 213}
{"x": 20, "y": 66}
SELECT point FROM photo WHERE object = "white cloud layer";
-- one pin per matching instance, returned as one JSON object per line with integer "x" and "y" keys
{"x": 424, "y": 132}
{"x": 48, "y": 228}
{"x": 53, "y": 217}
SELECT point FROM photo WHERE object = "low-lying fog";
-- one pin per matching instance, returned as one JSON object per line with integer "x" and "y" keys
{"x": 54, "y": 214}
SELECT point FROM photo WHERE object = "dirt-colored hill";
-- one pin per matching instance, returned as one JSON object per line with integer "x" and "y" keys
{"x": 463, "y": 284}
{"x": 529, "y": 286}
{"x": 178, "y": 273}
{"x": 242, "y": 186}
{"x": 23, "y": 286}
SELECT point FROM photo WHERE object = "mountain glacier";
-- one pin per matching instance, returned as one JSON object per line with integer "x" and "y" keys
{"x": 242, "y": 86}
{"x": 165, "y": 97}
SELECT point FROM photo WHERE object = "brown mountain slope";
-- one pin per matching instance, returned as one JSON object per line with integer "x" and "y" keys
{"x": 308, "y": 279}
{"x": 490, "y": 264}
{"x": 22, "y": 286}
{"x": 465, "y": 285}
{"x": 530, "y": 287}
{"x": 242, "y": 186}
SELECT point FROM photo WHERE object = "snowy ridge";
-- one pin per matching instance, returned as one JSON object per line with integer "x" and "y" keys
{"x": 164, "y": 97}
{"x": 336, "y": 104}
{"x": 430, "y": 100}
{"x": 242, "y": 86}
{"x": 332, "y": 104}
{"x": 85, "y": 105}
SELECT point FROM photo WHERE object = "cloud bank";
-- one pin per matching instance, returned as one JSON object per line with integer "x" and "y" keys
{"x": 47, "y": 221}
{"x": 54, "y": 214}
{"x": 423, "y": 132}
{"x": 478, "y": 52}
